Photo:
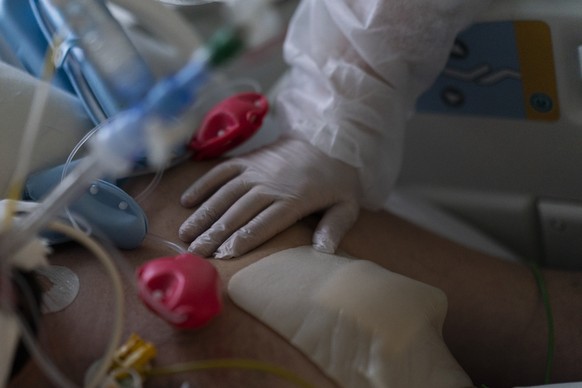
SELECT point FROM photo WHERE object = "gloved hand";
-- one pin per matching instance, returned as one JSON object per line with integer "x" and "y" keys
{"x": 247, "y": 200}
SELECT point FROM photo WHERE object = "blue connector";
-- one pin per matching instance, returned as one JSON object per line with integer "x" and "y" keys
{"x": 128, "y": 136}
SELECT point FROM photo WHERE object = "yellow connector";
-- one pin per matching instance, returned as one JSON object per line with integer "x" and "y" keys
{"x": 136, "y": 355}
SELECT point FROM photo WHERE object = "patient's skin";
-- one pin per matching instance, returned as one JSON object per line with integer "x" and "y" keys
{"x": 495, "y": 327}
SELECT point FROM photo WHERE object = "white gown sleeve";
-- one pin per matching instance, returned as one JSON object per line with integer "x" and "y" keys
{"x": 356, "y": 70}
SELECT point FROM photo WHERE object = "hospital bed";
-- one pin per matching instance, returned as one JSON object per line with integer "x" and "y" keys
{"x": 488, "y": 155}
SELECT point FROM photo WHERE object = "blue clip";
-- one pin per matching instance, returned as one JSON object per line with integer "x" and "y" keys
{"x": 107, "y": 208}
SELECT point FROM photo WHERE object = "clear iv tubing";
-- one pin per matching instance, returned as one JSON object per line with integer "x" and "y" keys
{"x": 106, "y": 259}
{"x": 133, "y": 133}
{"x": 115, "y": 148}
{"x": 73, "y": 186}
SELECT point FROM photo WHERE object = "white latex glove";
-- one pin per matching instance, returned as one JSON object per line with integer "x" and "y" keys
{"x": 247, "y": 200}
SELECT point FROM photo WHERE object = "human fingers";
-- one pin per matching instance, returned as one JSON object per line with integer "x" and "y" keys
{"x": 273, "y": 220}
{"x": 334, "y": 224}
{"x": 239, "y": 214}
{"x": 212, "y": 209}
{"x": 207, "y": 184}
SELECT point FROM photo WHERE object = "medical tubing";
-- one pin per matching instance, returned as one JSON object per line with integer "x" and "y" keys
{"x": 140, "y": 197}
{"x": 71, "y": 188}
{"x": 170, "y": 244}
{"x": 128, "y": 134}
{"x": 43, "y": 360}
{"x": 247, "y": 364}
{"x": 151, "y": 186}
{"x": 174, "y": 95}
{"x": 136, "y": 133}
{"x": 48, "y": 367}
{"x": 124, "y": 140}
{"x": 117, "y": 286}
{"x": 76, "y": 149}
{"x": 550, "y": 319}
{"x": 130, "y": 378}
{"x": 68, "y": 163}
{"x": 225, "y": 44}
{"x": 31, "y": 132}
{"x": 32, "y": 127}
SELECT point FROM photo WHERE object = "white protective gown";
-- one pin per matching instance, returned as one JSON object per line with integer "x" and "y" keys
{"x": 357, "y": 68}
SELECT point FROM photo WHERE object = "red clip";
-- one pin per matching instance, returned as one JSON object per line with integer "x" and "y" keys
{"x": 228, "y": 124}
{"x": 184, "y": 290}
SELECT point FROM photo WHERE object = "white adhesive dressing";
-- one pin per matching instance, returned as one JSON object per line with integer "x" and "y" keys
{"x": 362, "y": 324}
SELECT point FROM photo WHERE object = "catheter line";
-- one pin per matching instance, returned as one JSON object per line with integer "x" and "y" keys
{"x": 230, "y": 363}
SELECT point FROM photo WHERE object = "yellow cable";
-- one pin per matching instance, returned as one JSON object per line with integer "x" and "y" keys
{"x": 10, "y": 208}
{"x": 117, "y": 286}
{"x": 31, "y": 129}
{"x": 247, "y": 364}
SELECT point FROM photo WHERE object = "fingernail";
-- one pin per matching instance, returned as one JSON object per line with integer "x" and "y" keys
{"x": 323, "y": 244}
{"x": 188, "y": 231}
{"x": 223, "y": 253}
{"x": 186, "y": 199}
{"x": 184, "y": 234}
{"x": 323, "y": 248}
{"x": 200, "y": 249}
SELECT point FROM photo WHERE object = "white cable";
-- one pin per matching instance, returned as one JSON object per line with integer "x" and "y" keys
{"x": 30, "y": 133}
{"x": 173, "y": 30}
{"x": 42, "y": 359}
{"x": 46, "y": 364}
{"x": 32, "y": 127}
{"x": 117, "y": 329}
